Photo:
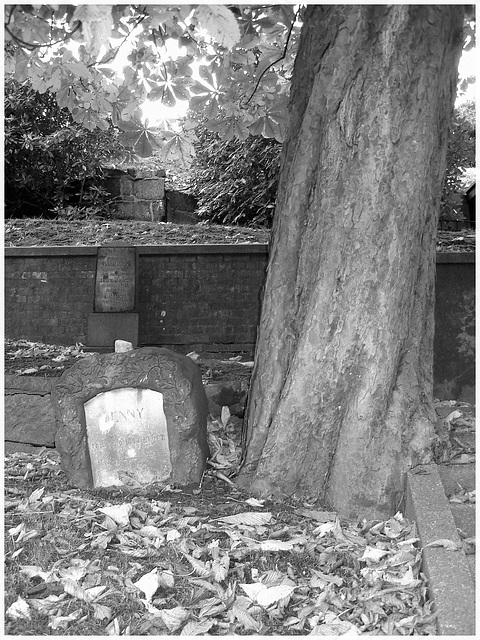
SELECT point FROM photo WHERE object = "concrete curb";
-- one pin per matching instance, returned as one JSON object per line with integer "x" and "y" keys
{"x": 450, "y": 583}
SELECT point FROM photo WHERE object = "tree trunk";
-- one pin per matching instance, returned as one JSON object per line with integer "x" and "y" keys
{"x": 341, "y": 400}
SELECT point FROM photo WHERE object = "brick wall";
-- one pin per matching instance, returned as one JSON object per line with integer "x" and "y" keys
{"x": 49, "y": 293}
{"x": 187, "y": 294}
{"x": 208, "y": 294}
{"x": 204, "y": 295}
{"x": 454, "y": 344}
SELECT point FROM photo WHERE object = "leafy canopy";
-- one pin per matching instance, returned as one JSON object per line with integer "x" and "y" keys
{"x": 232, "y": 64}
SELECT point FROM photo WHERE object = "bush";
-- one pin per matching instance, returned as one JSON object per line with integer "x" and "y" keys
{"x": 460, "y": 158}
{"x": 235, "y": 182}
{"x": 50, "y": 161}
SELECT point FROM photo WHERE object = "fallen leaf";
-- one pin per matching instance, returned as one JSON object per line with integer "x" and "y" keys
{"x": 113, "y": 628}
{"x": 266, "y": 596}
{"x": 373, "y": 554}
{"x": 276, "y": 545}
{"x": 101, "y": 611}
{"x": 249, "y": 518}
{"x": 453, "y": 416}
{"x": 36, "y": 495}
{"x": 253, "y": 502}
{"x": 464, "y": 458}
{"x": 196, "y": 628}
{"x": 245, "y": 618}
{"x": 119, "y": 513}
{"x": 20, "y": 609}
{"x": 319, "y": 516}
{"x": 450, "y": 545}
{"x": 148, "y": 583}
{"x": 62, "y": 622}
{"x": 174, "y": 618}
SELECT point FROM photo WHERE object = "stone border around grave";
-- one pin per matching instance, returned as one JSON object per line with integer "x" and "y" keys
{"x": 145, "y": 368}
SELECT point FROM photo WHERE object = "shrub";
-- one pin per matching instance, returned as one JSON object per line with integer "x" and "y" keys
{"x": 460, "y": 158}
{"x": 235, "y": 182}
{"x": 50, "y": 161}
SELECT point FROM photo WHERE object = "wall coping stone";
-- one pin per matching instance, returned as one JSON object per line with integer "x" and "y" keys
{"x": 459, "y": 257}
{"x": 37, "y": 385}
{"x": 22, "y": 252}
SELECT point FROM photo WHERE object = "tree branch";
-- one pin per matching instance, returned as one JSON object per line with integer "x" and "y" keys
{"x": 282, "y": 57}
{"x": 31, "y": 46}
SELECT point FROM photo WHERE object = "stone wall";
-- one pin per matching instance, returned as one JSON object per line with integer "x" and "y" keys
{"x": 207, "y": 295}
{"x": 187, "y": 294}
{"x": 454, "y": 344}
{"x": 138, "y": 196}
{"x": 29, "y": 414}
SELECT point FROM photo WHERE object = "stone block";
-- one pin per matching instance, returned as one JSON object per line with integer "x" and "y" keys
{"x": 104, "y": 328}
{"x": 149, "y": 211}
{"x": 139, "y": 415}
{"x": 28, "y": 384}
{"x": 29, "y": 419}
{"x": 450, "y": 583}
{"x": 119, "y": 183}
{"x": 115, "y": 281}
{"x": 149, "y": 189}
{"x": 125, "y": 210}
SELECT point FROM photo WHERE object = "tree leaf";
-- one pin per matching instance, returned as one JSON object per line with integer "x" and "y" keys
{"x": 174, "y": 618}
{"x": 19, "y": 609}
{"x": 166, "y": 579}
{"x": 245, "y": 618}
{"x": 196, "y": 628}
{"x": 249, "y": 518}
{"x": 450, "y": 545}
{"x": 179, "y": 150}
{"x": 276, "y": 545}
{"x": 101, "y": 611}
{"x": 374, "y": 554}
{"x": 148, "y": 583}
{"x": 97, "y": 24}
{"x": 266, "y": 596}
{"x": 225, "y": 416}
{"x": 274, "y": 594}
{"x": 200, "y": 568}
{"x": 220, "y": 23}
{"x": 220, "y": 568}
{"x": 253, "y": 589}
{"x": 119, "y": 513}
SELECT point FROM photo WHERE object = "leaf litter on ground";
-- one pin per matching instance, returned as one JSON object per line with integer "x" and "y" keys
{"x": 160, "y": 561}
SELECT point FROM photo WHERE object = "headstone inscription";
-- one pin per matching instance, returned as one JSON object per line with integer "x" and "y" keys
{"x": 127, "y": 436}
{"x": 115, "y": 279}
{"x": 115, "y": 297}
{"x": 139, "y": 414}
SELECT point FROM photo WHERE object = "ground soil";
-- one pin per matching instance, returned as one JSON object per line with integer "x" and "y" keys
{"x": 30, "y": 232}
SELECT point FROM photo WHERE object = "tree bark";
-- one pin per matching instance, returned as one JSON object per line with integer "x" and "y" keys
{"x": 341, "y": 401}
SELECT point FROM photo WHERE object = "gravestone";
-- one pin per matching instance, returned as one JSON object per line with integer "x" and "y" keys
{"x": 115, "y": 279}
{"x": 114, "y": 302}
{"x": 136, "y": 415}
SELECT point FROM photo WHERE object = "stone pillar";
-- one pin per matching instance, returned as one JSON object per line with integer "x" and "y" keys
{"x": 114, "y": 314}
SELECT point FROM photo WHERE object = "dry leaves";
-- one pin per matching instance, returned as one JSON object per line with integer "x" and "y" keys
{"x": 220, "y": 566}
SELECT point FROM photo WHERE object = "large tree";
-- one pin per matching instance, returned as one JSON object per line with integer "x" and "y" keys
{"x": 341, "y": 399}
